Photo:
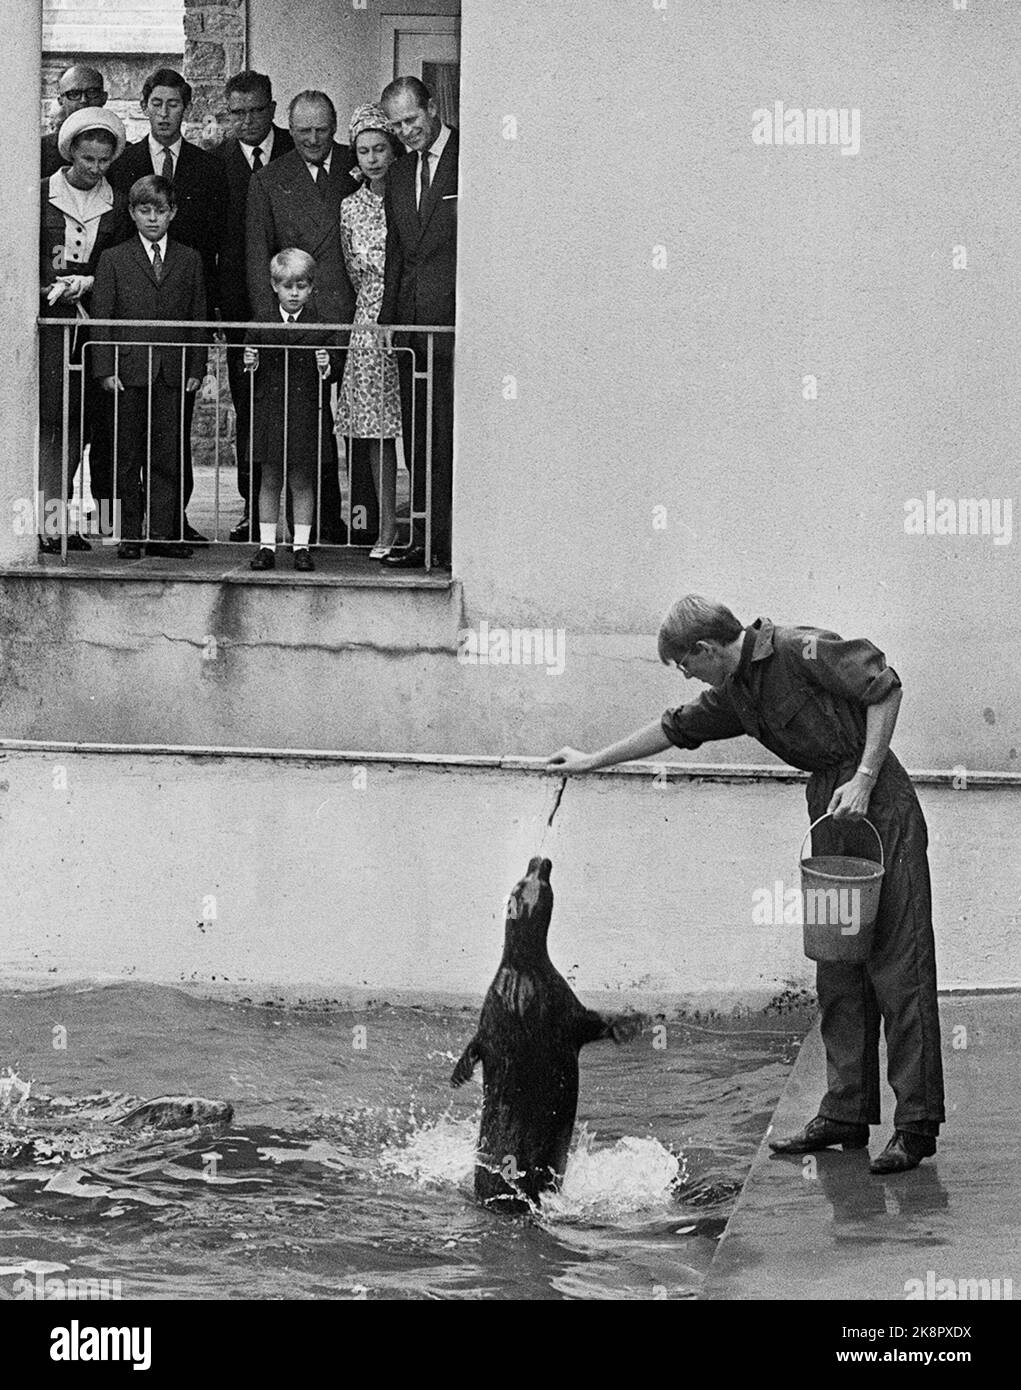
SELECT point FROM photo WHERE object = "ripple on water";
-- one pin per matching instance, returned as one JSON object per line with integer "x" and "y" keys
{"x": 347, "y": 1172}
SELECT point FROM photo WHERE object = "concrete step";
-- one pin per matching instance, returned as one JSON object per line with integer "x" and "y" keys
{"x": 820, "y": 1226}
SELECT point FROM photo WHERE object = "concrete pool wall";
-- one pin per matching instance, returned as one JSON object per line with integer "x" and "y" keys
{"x": 355, "y": 876}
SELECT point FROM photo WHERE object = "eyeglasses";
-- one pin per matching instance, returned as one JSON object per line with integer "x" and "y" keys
{"x": 83, "y": 94}
{"x": 238, "y": 113}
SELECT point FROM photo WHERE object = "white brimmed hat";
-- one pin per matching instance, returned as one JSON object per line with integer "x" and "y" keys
{"x": 90, "y": 118}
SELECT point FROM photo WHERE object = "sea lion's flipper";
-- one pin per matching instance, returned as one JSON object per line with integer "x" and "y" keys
{"x": 593, "y": 1027}
{"x": 470, "y": 1057}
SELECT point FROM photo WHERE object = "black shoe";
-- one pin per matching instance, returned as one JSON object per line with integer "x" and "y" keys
{"x": 170, "y": 550}
{"x": 194, "y": 537}
{"x": 412, "y": 559}
{"x": 264, "y": 559}
{"x": 129, "y": 550}
{"x": 303, "y": 561}
{"x": 242, "y": 531}
{"x": 904, "y": 1152}
{"x": 822, "y": 1133}
{"x": 50, "y": 545}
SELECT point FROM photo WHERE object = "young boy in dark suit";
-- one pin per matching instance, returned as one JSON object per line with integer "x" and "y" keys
{"x": 290, "y": 387}
{"x": 149, "y": 276}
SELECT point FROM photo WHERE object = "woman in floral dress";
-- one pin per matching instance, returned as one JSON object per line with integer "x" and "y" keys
{"x": 369, "y": 406}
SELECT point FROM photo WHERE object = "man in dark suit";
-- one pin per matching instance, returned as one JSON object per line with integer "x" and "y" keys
{"x": 202, "y": 200}
{"x": 255, "y": 143}
{"x": 421, "y": 269}
{"x": 295, "y": 201}
{"x": 151, "y": 277}
{"x": 78, "y": 87}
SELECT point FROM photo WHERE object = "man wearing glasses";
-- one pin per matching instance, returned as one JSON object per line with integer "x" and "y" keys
{"x": 253, "y": 142}
{"x": 78, "y": 87}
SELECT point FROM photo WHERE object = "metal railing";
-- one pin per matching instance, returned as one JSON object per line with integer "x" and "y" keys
{"x": 407, "y": 353}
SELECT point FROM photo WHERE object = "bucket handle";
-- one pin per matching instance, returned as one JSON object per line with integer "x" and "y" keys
{"x": 801, "y": 852}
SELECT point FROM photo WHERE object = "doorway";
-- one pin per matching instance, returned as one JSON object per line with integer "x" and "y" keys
{"x": 425, "y": 46}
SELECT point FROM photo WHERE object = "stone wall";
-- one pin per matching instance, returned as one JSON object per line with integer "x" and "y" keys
{"x": 124, "y": 74}
{"x": 214, "y": 49}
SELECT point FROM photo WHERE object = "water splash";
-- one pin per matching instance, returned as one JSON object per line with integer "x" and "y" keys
{"x": 615, "y": 1181}
{"x": 606, "y": 1184}
{"x": 436, "y": 1153}
{"x": 11, "y": 1084}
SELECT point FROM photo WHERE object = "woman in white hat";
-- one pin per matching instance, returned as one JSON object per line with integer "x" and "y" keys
{"x": 81, "y": 217}
{"x": 369, "y": 404}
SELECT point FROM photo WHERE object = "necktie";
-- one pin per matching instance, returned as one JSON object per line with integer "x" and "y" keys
{"x": 168, "y": 166}
{"x": 256, "y": 160}
{"x": 157, "y": 263}
{"x": 424, "y": 160}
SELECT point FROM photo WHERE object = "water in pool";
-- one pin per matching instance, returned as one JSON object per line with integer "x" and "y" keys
{"x": 347, "y": 1169}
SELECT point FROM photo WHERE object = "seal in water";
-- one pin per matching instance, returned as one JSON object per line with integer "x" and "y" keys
{"x": 177, "y": 1112}
{"x": 530, "y": 1032}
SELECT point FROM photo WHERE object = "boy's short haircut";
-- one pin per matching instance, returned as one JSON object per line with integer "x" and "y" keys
{"x": 695, "y": 619}
{"x": 292, "y": 264}
{"x": 152, "y": 188}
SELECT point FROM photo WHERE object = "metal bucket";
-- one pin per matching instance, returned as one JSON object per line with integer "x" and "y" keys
{"x": 839, "y": 902}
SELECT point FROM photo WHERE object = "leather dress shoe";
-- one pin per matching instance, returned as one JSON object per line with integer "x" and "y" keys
{"x": 242, "y": 531}
{"x": 129, "y": 550}
{"x": 904, "y": 1151}
{"x": 303, "y": 561}
{"x": 194, "y": 537}
{"x": 50, "y": 545}
{"x": 169, "y": 550}
{"x": 822, "y": 1133}
{"x": 264, "y": 559}
{"x": 411, "y": 559}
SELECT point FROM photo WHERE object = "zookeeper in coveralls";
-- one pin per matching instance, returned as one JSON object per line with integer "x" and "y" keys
{"x": 828, "y": 706}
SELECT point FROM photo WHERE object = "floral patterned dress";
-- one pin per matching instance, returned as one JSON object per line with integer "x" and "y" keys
{"x": 369, "y": 403}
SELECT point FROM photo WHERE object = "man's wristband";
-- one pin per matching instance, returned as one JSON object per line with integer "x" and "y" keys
{"x": 869, "y": 772}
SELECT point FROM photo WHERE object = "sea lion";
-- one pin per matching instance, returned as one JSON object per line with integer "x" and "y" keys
{"x": 530, "y": 1032}
{"x": 177, "y": 1112}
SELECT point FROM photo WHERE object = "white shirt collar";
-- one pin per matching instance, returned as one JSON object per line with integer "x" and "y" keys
{"x": 162, "y": 244}
{"x": 265, "y": 145}
{"x": 77, "y": 202}
{"x": 284, "y": 315}
{"x": 313, "y": 169}
{"x": 157, "y": 151}
{"x": 439, "y": 144}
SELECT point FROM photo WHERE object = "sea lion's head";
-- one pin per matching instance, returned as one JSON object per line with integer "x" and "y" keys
{"x": 178, "y": 1112}
{"x": 530, "y": 907}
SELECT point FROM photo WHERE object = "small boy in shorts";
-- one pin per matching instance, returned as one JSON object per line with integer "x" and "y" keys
{"x": 291, "y": 368}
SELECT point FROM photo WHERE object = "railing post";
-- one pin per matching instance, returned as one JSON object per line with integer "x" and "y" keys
{"x": 430, "y": 366}
{"x": 65, "y": 412}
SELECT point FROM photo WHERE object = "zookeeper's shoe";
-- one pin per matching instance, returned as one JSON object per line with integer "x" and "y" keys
{"x": 822, "y": 1133}
{"x": 904, "y": 1151}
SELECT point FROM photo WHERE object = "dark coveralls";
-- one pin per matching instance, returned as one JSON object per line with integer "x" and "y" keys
{"x": 803, "y": 692}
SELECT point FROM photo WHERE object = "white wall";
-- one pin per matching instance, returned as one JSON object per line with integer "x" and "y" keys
{"x": 681, "y": 387}
{"x": 349, "y": 880}
{"x": 333, "y": 47}
{"x": 19, "y": 284}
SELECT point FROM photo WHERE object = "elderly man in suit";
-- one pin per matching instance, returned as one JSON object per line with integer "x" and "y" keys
{"x": 255, "y": 142}
{"x": 421, "y": 268}
{"x": 296, "y": 202}
{"x": 78, "y": 87}
{"x": 202, "y": 202}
